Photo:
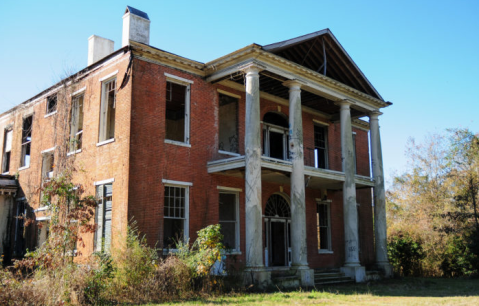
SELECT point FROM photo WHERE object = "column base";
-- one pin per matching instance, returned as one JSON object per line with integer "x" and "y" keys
{"x": 385, "y": 268}
{"x": 258, "y": 277}
{"x": 358, "y": 273}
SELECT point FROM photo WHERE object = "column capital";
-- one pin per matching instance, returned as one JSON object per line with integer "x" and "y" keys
{"x": 293, "y": 84}
{"x": 374, "y": 115}
{"x": 252, "y": 68}
{"x": 345, "y": 104}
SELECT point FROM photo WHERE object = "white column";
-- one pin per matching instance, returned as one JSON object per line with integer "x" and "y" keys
{"x": 380, "y": 226}
{"x": 298, "y": 198}
{"x": 253, "y": 218}
{"x": 349, "y": 188}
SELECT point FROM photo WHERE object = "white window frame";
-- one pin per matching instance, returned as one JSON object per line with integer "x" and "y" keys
{"x": 186, "y": 222}
{"x": 329, "y": 250}
{"x": 99, "y": 233}
{"x": 267, "y": 128}
{"x": 28, "y": 142}
{"x": 187, "y": 83}
{"x": 236, "y": 192}
{"x": 45, "y": 154}
{"x": 75, "y": 115}
{"x": 103, "y": 123}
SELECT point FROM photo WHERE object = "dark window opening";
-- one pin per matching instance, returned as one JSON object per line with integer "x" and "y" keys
{"x": 7, "y": 148}
{"x": 26, "y": 141}
{"x": 51, "y": 104}
{"x": 175, "y": 111}
{"x": 322, "y": 219}
{"x": 76, "y": 124}
{"x": 320, "y": 147}
{"x": 228, "y": 219}
{"x": 275, "y": 136}
{"x": 228, "y": 123}
{"x": 107, "y": 111}
{"x": 174, "y": 215}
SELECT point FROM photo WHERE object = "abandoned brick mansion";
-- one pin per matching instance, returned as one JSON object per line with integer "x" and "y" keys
{"x": 278, "y": 143}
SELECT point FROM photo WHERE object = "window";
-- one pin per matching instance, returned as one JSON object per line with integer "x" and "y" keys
{"x": 324, "y": 227}
{"x": 107, "y": 110}
{"x": 275, "y": 136}
{"x": 51, "y": 104}
{"x": 228, "y": 123}
{"x": 177, "y": 111}
{"x": 229, "y": 219}
{"x": 76, "y": 124}
{"x": 47, "y": 165}
{"x": 43, "y": 232}
{"x": 7, "y": 149}
{"x": 175, "y": 215}
{"x": 26, "y": 141}
{"x": 103, "y": 215}
{"x": 354, "y": 152}
{"x": 320, "y": 147}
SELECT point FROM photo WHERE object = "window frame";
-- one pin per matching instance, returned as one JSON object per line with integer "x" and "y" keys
{"x": 316, "y": 155}
{"x": 99, "y": 240}
{"x": 236, "y": 192}
{"x": 186, "y": 219}
{"x": 267, "y": 129}
{"x": 24, "y": 144}
{"x": 7, "y": 155}
{"x": 326, "y": 203}
{"x": 104, "y": 122}
{"x": 233, "y": 96}
{"x": 49, "y": 153}
{"x": 76, "y": 116}
{"x": 170, "y": 78}
{"x": 51, "y": 110}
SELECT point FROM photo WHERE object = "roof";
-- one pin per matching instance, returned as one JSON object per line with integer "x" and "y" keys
{"x": 321, "y": 51}
{"x": 136, "y": 12}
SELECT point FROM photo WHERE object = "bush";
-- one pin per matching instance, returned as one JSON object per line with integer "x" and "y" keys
{"x": 458, "y": 260}
{"x": 405, "y": 254}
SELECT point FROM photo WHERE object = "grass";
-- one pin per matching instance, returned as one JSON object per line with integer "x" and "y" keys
{"x": 406, "y": 291}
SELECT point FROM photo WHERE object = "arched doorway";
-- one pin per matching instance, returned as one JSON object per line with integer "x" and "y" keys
{"x": 277, "y": 222}
{"x": 275, "y": 135}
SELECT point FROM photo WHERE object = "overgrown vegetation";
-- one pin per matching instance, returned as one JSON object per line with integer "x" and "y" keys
{"x": 432, "y": 208}
{"x": 132, "y": 273}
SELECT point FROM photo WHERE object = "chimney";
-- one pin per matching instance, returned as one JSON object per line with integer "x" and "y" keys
{"x": 136, "y": 26}
{"x": 98, "y": 48}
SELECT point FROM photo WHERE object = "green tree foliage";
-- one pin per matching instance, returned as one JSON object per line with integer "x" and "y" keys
{"x": 435, "y": 202}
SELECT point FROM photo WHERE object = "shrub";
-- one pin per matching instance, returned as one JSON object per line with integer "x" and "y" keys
{"x": 458, "y": 260}
{"x": 405, "y": 254}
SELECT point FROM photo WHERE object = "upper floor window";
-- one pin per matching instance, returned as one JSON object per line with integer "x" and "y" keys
{"x": 47, "y": 165}
{"x": 320, "y": 147}
{"x": 76, "y": 124}
{"x": 228, "y": 123}
{"x": 26, "y": 141}
{"x": 275, "y": 136}
{"x": 51, "y": 104}
{"x": 177, "y": 112}
{"x": 7, "y": 149}
{"x": 107, "y": 110}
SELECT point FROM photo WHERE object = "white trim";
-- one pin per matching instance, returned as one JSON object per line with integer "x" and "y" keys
{"x": 50, "y": 114}
{"x": 108, "y": 76}
{"x": 105, "y": 142}
{"x": 178, "y": 143}
{"x": 49, "y": 150}
{"x": 42, "y": 208}
{"x": 176, "y": 183}
{"x": 43, "y": 218}
{"x": 228, "y": 153}
{"x": 79, "y": 91}
{"x": 227, "y": 93}
{"x": 320, "y": 122}
{"x": 6, "y": 173}
{"x": 223, "y": 188}
{"x": 320, "y": 251}
{"x": 74, "y": 152}
{"x": 176, "y": 79}
{"x": 107, "y": 181}
{"x": 23, "y": 168}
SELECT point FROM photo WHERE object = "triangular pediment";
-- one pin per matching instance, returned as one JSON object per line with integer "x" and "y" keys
{"x": 320, "y": 51}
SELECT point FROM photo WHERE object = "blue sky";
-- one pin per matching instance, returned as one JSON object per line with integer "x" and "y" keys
{"x": 421, "y": 55}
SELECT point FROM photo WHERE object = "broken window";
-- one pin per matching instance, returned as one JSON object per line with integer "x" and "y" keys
{"x": 177, "y": 111}
{"x": 107, "y": 110}
{"x": 229, "y": 219}
{"x": 175, "y": 215}
{"x": 103, "y": 216}
{"x": 76, "y": 124}
{"x": 51, "y": 104}
{"x": 7, "y": 149}
{"x": 275, "y": 136}
{"x": 228, "y": 123}
{"x": 26, "y": 141}
{"x": 43, "y": 232}
{"x": 323, "y": 226}
{"x": 320, "y": 147}
{"x": 47, "y": 165}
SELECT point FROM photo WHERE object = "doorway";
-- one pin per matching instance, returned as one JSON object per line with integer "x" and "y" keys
{"x": 277, "y": 221}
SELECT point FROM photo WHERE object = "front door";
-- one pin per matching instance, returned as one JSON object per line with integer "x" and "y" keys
{"x": 277, "y": 218}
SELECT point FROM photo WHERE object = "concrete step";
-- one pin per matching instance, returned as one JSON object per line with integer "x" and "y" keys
{"x": 325, "y": 278}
